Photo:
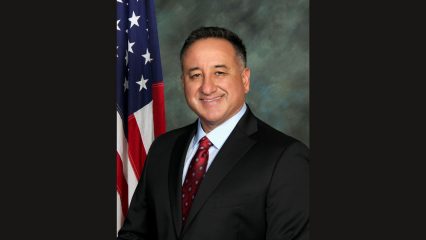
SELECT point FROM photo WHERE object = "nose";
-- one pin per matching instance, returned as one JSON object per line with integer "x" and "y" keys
{"x": 208, "y": 85}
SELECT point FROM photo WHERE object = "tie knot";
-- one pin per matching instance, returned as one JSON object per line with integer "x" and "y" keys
{"x": 205, "y": 142}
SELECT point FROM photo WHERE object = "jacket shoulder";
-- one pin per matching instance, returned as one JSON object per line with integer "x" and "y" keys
{"x": 171, "y": 136}
{"x": 274, "y": 137}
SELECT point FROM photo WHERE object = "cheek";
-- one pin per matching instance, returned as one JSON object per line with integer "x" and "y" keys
{"x": 189, "y": 90}
{"x": 237, "y": 89}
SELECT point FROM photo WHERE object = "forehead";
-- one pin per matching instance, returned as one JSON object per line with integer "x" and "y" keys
{"x": 210, "y": 49}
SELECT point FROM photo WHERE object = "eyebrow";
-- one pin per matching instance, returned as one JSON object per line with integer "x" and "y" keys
{"x": 193, "y": 69}
{"x": 221, "y": 66}
{"x": 215, "y": 66}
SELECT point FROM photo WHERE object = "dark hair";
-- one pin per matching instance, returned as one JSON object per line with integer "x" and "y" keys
{"x": 216, "y": 32}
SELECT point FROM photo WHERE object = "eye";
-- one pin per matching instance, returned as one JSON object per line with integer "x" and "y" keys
{"x": 219, "y": 73}
{"x": 195, "y": 75}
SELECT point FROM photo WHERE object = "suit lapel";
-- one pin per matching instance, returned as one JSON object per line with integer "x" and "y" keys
{"x": 175, "y": 175}
{"x": 237, "y": 144}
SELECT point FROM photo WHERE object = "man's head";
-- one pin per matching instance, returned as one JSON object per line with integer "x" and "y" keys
{"x": 214, "y": 74}
{"x": 216, "y": 32}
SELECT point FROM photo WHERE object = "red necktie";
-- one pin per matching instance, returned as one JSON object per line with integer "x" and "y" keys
{"x": 194, "y": 176}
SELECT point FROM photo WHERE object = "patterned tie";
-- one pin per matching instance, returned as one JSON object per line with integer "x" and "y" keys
{"x": 194, "y": 176}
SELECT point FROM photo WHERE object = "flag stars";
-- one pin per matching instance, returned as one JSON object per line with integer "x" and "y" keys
{"x": 147, "y": 56}
{"x": 118, "y": 27}
{"x": 134, "y": 20}
{"x": 142, "y": 83}
{"x": 130, "y": 45}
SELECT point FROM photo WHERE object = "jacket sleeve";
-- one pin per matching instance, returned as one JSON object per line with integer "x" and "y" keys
{"x": 139, "y": 224}
{"x": 287, "y": 204}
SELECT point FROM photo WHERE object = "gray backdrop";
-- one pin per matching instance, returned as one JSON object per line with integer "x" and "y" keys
{"x": 276, "y": 35}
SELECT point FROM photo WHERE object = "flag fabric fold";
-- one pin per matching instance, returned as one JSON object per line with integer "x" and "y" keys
{"x": 139, "y": 95}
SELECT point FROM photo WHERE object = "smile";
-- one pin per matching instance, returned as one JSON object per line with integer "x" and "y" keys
{"x": 211, "y": 99}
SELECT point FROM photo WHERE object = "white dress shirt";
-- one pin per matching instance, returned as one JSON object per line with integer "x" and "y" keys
{"x": 217, "y": 137}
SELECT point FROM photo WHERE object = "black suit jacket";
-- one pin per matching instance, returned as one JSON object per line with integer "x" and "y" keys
{"x": 255, "y": 189}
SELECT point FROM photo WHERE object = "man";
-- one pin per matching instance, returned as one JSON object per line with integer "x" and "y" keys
{"x": 228, "y": 175}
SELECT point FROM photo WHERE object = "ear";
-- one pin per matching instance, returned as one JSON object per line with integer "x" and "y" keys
{"x": 245, "y": 75}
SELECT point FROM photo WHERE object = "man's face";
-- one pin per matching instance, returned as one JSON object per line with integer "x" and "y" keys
{"x": 215, "y": 81}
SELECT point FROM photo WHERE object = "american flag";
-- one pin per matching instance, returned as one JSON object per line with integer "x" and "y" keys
{"x": 139, "y": 94}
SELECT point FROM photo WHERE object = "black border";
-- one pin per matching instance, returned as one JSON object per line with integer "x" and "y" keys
{"x": 367, "y": 121}
{"x": 58, "y": 174}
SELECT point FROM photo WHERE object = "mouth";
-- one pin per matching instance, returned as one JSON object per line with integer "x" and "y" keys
{"x": 208, "y": 100}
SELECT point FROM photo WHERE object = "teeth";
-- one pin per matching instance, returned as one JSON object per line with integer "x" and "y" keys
{"x": 210, "y": 100}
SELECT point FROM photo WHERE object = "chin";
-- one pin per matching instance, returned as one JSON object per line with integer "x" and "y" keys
{"x": 212, "y": 114}
{"x": 210, "y": 118}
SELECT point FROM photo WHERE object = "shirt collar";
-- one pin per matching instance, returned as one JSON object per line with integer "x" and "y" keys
{"x": 219, "y": 135}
